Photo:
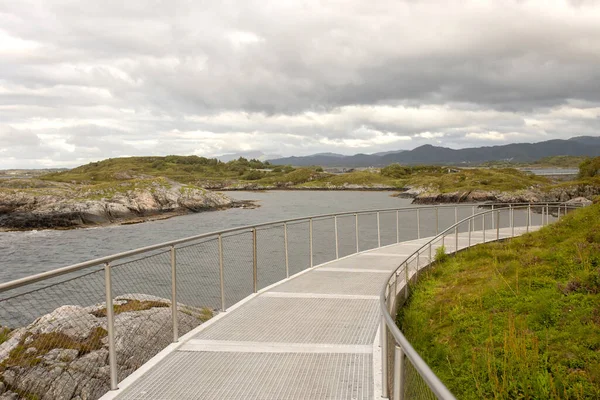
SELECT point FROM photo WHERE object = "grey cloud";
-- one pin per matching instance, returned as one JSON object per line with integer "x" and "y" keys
{"x": 115, "y": 77}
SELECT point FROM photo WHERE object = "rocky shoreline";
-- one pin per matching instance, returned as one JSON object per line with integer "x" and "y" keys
{"x": 532, "y": 195}
{"x": 66, "y": 207}
{"x": 63, "y": 206}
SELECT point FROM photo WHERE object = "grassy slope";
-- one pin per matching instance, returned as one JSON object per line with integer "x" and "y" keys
{"x": 199, "y": 171}
{"x": 442, "y": 181}
{"x": 92, "y": 191}
{"x": 519, "y": 319}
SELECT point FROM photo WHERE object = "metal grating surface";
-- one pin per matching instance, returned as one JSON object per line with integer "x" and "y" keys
{"x": 367, "y": 261}
{"x": 254, "y": 376}
{"x": 299, "y": 320}
{"x": 335, "y": 282}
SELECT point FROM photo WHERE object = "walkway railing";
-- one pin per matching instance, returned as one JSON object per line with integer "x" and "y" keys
{"x": 175, "y": 286}
{"x": 404, "y": 373}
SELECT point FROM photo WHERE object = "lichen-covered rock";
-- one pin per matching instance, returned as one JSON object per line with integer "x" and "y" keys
{"x": 70, "y": 206}
{"x": 64, "y": 354}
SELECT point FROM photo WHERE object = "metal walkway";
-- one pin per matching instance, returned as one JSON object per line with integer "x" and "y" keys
{"x": 313, "y": 336}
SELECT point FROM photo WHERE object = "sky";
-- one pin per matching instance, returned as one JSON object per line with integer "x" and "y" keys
{"x": 82, "y": 81}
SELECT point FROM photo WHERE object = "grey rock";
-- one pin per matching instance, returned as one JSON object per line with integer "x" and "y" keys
{"x": 73, "y": 321}
{"x": 9, "y": 396}
{"x": 63, "y": 387}
{"x": 30, "y": 350}
{"x": 93, "y": 389}
{"x": 67, "y": 374}
{"x": 10, "y": 377}
{"x": 580, "y": 201}
{"x": 23, "y": 209}
{"x": 91, "y": 361}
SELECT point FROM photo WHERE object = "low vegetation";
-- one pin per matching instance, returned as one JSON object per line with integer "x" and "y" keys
{"x": 184, "y": 169}
{"x": 202, "y": 171}
{"x": 32, "y": 347}
{"x": 515, "y": 319}
{"x": 131, "y": 305}
{"x": 105, "y": 179}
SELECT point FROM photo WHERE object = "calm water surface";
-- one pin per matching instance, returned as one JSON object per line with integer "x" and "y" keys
{"x": 26, "y": 253}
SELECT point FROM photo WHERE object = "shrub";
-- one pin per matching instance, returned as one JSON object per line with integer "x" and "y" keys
{"x": 252, "y": 175}
{"x": 440, "y": 254}
{"x": 589, "y": 168}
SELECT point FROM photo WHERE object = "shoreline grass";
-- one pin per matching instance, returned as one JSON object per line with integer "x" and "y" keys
{"x": 515, "y": 319}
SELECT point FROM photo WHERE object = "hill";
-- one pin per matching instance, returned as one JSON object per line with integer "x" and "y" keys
{"x": 428, "y": 154}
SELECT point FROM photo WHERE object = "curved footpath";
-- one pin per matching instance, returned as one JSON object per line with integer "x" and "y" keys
{"x": 312, "y": 336}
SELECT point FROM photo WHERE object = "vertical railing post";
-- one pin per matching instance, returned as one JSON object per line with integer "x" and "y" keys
{"x": 430, "y": 260}
{"x": 547, "y": 214}
{"x": 399, "y": 367}
{"x": 528, "y": 216}
{"x": 437, "y": 220}
{"x": 418, "y": 223}
{"x": 498, "y": 224}
{"x": 406, "y": 279}
{"x": 285, "y": 247}
{"x": 558, "y": 212}
{"x": 397, "y": 226}
{"x": 418, "y": 259}
{"x": 356, "y": 225}
{"x": 471, "y": 220}
{"x": 174, "y": 295}
{"x": 110, "y": 322}
{"x": 384, "y": 357}
{"x": 221, "y": 273}
{"x": 456, "y": 239}
{"x": 310, "y": 239}
{"x": 483, "y": 226}
{"x": 378, "y": 231}
{"x": 492, "y": 214}
{"x": 254, "y": 261}
{"x": 456, "y": 229}
{"x": 512, "y": 220}
{"x": 337, "y": 246}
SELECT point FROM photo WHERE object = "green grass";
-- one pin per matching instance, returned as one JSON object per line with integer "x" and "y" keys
{"x": 32, "y": 347}
{"x": 107, "y": 178}
{"x": 516, "y": 319}
{"x": 466, "y": 180}
{"x": 560, "y": 161}
{"x": 132, "y": 305}
{"x": 184, "y": 169}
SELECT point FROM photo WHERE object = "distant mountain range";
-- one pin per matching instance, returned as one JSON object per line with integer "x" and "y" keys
{"x": 258, "y": 155}
{"x": 428, "y": 154}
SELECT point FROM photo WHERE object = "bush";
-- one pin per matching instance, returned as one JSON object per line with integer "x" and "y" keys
{"x": 395, "y": 171}
{"x": 589, "y": 168}
{"x": 319, "y": 169}
{"x": 252, "y": 175}
{"x": 440, "y": 254}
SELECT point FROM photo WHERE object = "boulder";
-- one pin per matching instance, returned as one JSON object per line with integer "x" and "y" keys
{"x": 81, "y": 370}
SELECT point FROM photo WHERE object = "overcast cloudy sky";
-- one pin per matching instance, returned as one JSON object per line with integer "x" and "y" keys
{"x": 87, "y": 80}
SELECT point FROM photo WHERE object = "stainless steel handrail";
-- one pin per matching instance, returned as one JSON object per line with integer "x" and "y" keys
{"x": 432, "y": 381}
{"x": 106, "y": 262}
{"x": 109, "y": 259}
